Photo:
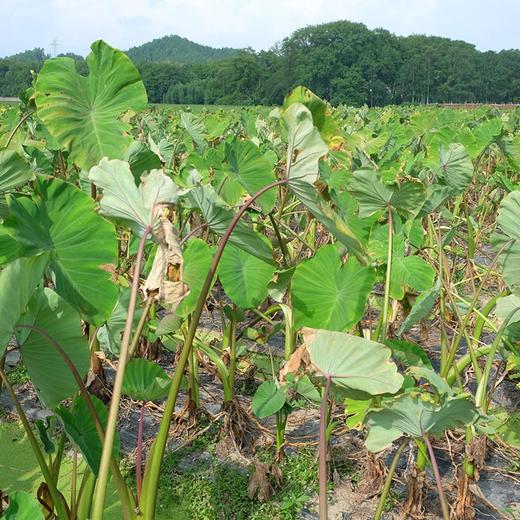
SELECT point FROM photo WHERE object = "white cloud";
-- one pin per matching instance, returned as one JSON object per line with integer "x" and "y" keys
{"x": 241, "y": 23}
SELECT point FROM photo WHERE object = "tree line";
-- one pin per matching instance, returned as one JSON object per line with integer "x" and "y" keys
{"x": 343, "y": 62}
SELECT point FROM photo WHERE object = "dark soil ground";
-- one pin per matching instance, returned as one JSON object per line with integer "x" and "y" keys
{"x": 351, "y": 496}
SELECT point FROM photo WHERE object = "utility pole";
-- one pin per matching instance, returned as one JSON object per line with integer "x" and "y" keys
{"x": 54, "y": 46}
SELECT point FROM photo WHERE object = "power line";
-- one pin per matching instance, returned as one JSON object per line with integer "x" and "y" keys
{"x": 54, "y": 46}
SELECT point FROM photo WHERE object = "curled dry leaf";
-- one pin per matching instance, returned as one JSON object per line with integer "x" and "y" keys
{"x": 260, "y": 483}
{"x": 165, "y": 281}
{"x": 263, "y": 480}
{"x": 297, "y": 363}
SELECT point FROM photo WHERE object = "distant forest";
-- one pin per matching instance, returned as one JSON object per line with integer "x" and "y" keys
{"x": 343, "y": 62}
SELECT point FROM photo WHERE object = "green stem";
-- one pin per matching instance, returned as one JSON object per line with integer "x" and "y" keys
{"x": 438, "y": 482}
{"x": 15, "y": 129}
{"x": 106, "y": 455}
{"x": 388, "y": 481}
{"x": 480, "y": 396}
{"x": 153, "y": 466}
{"x": 462, "y": 329}
{"x": 57, "y": 498}
{"x": 232, "y": 341}
{"x": 283, "y": 245}
{"x": 386, "y": 301}
{"x": 322, "y": 470}
{"x": 124, "y": 493}
{"x": 464, "y": 361}
{"x": 140, "y": 327}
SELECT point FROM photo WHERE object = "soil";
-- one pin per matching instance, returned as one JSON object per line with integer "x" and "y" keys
{"x": 499, "y": 488}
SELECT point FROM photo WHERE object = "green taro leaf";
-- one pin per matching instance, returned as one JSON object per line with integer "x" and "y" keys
{"x": 197, "y": 262}
{"x": 310, "y": 197}
{"x": 218, "y": 217}
{"x": 252, "y": 170}
{"x": 141, "y": 159}
{"x": 14, "y": 171}
{"x": 328, "y": 295}
{"x": 61, "y": 220}
{"x": 421, "y": 307}
{"x": 456, "y": 167}
{"x": 506, "y": 306}
{"x": 109, "y": 335}
{"x": 269, "y": 398}
{"x": 194, "y": 127}
{"x": 321, "y": 114}
{"x": 50, "y": 375}
{"x": 23, "y": 506}
{"x": 80, "y": 429}
{"x": 124, "y": 201}
{"x": 245, "y": 278}
{"x": 145, "y": 381}
{"x": 506, "y": 241}
{"x": 355, "y": 412}
{"x": 373, "y": 195}
{"x": 84, "y": 113}
{"x": 18, "y": 282}
{"x": 410, "y": 271}
{"x": 354, "y": 362}
{"x": 408, "y": 354}
{"x": 415, "y": 417}
{"x": 305, "y": 145}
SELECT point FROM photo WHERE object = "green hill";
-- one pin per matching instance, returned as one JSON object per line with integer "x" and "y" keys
{"x": 175, "y": 49}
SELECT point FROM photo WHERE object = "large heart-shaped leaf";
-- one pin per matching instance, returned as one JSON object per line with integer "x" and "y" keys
{"x": 17, "y": 284}
{"x": 305, "y": 145}
{"x": 81, "y": 430}
{"x": 328, "y": 295}
{"x": 145, "y": 381}
{"x": 84, "y": 113}
{"x": 354, "y": 362}
{"x": 61, "y": 219}
{"x": 373, "y": 195}
{"x": 197, "y": 262}
{"x": 456, "y": 167}
{"x": 506, "y": 241}
{"x": 14, "y": 171}
{"x": 416, "y": 416}
{"x": 245, "y": 278}
{"x": 195, "y": 128}
{"x": 410, "y": 271}
{"x": 269, "y": 398}
{"x": 321, "y": 114}
{"x": 124, "y": 201}
{"x": 252, "y": 170}
{"x": 49, "y": 313}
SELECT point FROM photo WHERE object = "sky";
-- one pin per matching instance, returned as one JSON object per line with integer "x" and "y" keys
{"x": 74, "y": 24}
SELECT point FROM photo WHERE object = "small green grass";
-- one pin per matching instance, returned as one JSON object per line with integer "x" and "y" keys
{"x": 214, "y": 490}
{"x": 18, "y": 375}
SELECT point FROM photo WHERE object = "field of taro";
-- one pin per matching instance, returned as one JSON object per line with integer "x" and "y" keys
{"x": 292, "y": 312}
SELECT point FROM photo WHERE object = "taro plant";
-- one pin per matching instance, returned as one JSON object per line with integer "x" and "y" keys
{"x": 338, "y": 229}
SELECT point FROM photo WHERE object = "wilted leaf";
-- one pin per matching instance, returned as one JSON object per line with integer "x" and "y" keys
{"x": 165, "y": 282}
